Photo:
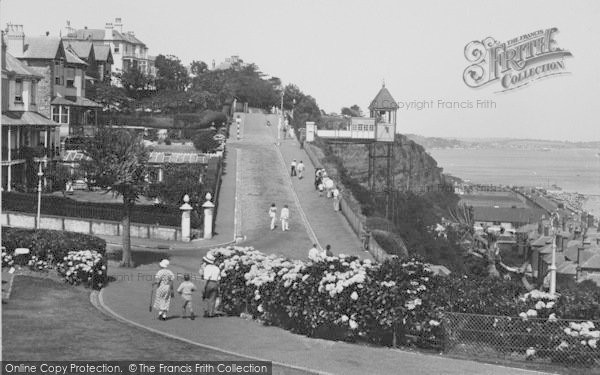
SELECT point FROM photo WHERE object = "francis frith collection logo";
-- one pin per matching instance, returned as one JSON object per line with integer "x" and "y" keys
{"x": 515, "y": 63}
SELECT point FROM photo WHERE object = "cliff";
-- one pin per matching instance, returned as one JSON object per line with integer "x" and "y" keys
{"x": 413, "y": 168}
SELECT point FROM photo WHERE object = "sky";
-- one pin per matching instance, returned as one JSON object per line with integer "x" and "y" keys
{"x": 340, "y": 52}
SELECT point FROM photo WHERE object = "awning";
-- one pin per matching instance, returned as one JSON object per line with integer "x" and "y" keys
{"x": 26, "y": 118}
{"x": 78, "y": 102}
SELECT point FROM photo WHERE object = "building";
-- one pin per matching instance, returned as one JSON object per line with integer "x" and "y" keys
{"x": 98, "y": 57}
{"x": 27, "y": 135}
{"x": 384, "y": 107}
{"x": 62, "y": 88}
{"x": 233, "y": 62}
{"x": 126, "y": 49}
{"x": 508, "y": 218}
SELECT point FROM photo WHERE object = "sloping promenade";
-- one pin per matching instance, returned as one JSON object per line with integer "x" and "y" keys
{"x": 257, "y": 174}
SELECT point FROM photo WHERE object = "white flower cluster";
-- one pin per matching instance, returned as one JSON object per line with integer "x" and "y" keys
{"x": 7, "y": 259}
{"x": 78, "y": 265}
{"x": 335, "y": 282}
{"x": 537, "y": 295}
{"x": 586, "y": 331}
{"x": 37, "y": 264}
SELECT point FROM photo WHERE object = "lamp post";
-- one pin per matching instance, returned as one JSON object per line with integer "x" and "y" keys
{"x": 40, "y": 174}
{"x": 553, "y": 220}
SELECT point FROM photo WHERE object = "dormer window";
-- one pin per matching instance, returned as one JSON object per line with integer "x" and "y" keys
{"x": 19, "y": 91}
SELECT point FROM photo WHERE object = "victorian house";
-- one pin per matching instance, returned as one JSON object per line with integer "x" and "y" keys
{"x": 126, "y": 49}
{"x": 28, "y": 136}
{"x": 62, "y": 87}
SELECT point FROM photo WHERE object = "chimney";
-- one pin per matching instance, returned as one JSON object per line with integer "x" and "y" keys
{"x": 119, "y": 24}
{"x": 108, "y": 31}
{"x": 15, "y": 40}
{"x": 3, "y": 58}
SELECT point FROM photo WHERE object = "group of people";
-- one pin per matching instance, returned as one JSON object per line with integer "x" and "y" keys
{"x": 297, "y": 169}
{"x": 325, "y": 184}
{"x": 315, "y": 254}
{"x": 164, "y": 280}
{"x": 284, "y": 216}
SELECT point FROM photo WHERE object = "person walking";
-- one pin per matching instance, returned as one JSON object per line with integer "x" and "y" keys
{"x": 293, "y": 168}
{"x": 300, "y": 167}
{"x": 336, "y": 198}
{"x": 212, "y": 277}
{"x": 273, "y": 215}
{"x": 285, "y": 217}
{"x": 164, "y": 290}
{"x": 317, "y": 178}
{"x": 185, "y": 290}
{"x": 315, "y": 254}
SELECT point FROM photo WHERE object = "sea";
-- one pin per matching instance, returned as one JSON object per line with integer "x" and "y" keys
{"x": 571, "y": 169}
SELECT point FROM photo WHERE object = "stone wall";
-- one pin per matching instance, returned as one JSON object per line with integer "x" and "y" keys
{"x": 44, "y": 91}
{"x": 89, "y": 226}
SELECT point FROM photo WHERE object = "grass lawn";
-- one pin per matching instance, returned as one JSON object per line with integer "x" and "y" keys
{"x": 46, "y": 320}
{"x": 174, "y": 147}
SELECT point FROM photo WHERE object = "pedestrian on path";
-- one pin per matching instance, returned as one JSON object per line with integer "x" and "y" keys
{"x": 293, "y": 168}
{"x": 328, "y": 184}
{"x": 300, "y": 168}
{"x": 212, "y": 277}
{"x": 328, "y": 251}
{"x": 321, "y": 188}
{"x": 273, "y": 215}
{"x": 336, "y": 198}
{"x": 285, "y": 217}
{"x": 318, "y": 173}
{"x": 185, "y": 290}
{"x": 164, "y": 290}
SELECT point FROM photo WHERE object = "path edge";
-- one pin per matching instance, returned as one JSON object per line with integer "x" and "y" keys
{"x": 97, "y": 301}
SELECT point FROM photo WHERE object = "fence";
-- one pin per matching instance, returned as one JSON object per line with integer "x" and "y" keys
{"x": 59, "y": 206}
{"x": 559, "y": 342}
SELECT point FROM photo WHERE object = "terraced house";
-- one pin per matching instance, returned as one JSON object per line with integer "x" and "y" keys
{"x": 62, "y": 87}
{"x": 28, "y": 137}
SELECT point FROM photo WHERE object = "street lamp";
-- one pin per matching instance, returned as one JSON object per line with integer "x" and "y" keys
{"x": 553, "y": 219}
{"x": 40, "y": 174}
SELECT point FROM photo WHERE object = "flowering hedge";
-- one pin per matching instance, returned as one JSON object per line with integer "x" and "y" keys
{"x": 83, "y": 267}
{"x": 401, "y": 301}
{"x": 340, "y": 297}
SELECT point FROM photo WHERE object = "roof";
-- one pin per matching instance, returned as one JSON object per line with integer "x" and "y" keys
{"x": 26, "y": 118}
{"x": 383, "y": 100}
{"x": 17, "y": 67}
{"x": 102, "y": 53}
{"x": 507, "y": 215}
{"x": 592, "y": 263}
{"x": 78, "y": 102}
{"x": 72, "y": 58}
{"x": 586, "y": 253}
{"x": 81, "y": 48}
{"x": 177, "y": 158}
{"x": 98, "y": 34}
{"x": 155, "y": 157}
{"x": 41, "y": 47}
{"x": 542, "y": 241}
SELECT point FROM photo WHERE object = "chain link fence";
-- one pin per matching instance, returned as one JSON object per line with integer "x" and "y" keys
{"x": 560, "y": 342}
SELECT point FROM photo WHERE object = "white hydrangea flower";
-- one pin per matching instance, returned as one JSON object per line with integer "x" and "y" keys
{"x": 354, "y": 296}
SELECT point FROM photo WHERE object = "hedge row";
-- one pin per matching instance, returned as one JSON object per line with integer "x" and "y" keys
{"x": 62, "y": 206}
{"x": 53, "y": 245}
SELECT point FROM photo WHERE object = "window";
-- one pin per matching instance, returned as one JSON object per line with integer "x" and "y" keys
{"x": 60, "y": 114}
{"x": 116, "y": 49}
{"x": 19, "y": 91}
{"x": 71, "y": 83}
{"x": 360, "y": 128}
{"x": 32, "y": 92}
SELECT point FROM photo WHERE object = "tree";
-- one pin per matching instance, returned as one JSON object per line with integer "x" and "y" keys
{"x": 117, "y": 161}
{"x": 198, "y": 67}
{"x": 357, "y": 110}
{"x": 171, "y": 74}
{"x": 135, "y": 82}
{"x": 204, "y": 142}
{"x": 113, "y": 98}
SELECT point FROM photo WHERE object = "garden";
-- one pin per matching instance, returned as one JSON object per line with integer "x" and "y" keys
{"x": 78, "y": 259}
{"x": 401, "y": 302}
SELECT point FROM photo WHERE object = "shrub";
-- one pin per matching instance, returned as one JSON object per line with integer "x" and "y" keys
{"x": 390, "y": 242}
{"x": 83, "y": 267}
{"x": 50, "y": 245}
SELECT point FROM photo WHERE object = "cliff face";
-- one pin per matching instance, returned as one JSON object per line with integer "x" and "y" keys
{"x": 413, "y": 169}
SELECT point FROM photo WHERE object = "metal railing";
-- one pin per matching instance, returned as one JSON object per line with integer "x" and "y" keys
{"x": 558, "y": 342}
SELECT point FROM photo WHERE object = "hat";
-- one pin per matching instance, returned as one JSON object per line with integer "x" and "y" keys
{"x": 164, "y": 263}
{"x": 209, "y": 258}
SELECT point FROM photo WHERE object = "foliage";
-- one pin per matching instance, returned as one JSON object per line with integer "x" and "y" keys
{"x": 136, "y": 83}
{"x": 117, "y": 160}
{"x": 113, "y": 98}
{"x": 52, "y": 245}
{"x": 170, "y": 73}
{"x": 204, "y": 142}
{"x": 390, "y": 242}
{"x": 7, "y": 260}
{"x": 84, "y": 267}
{"x": 35, "y": 263}
{"x": 198, "y": 67}
{"x": 353, "y": 111}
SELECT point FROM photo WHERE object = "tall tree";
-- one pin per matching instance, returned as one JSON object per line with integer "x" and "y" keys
{"x": 198, "y": 67}
{"x": 135, "y": 82}
{"x": 117, "y": 161}
{"x": 170, "y": 73}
